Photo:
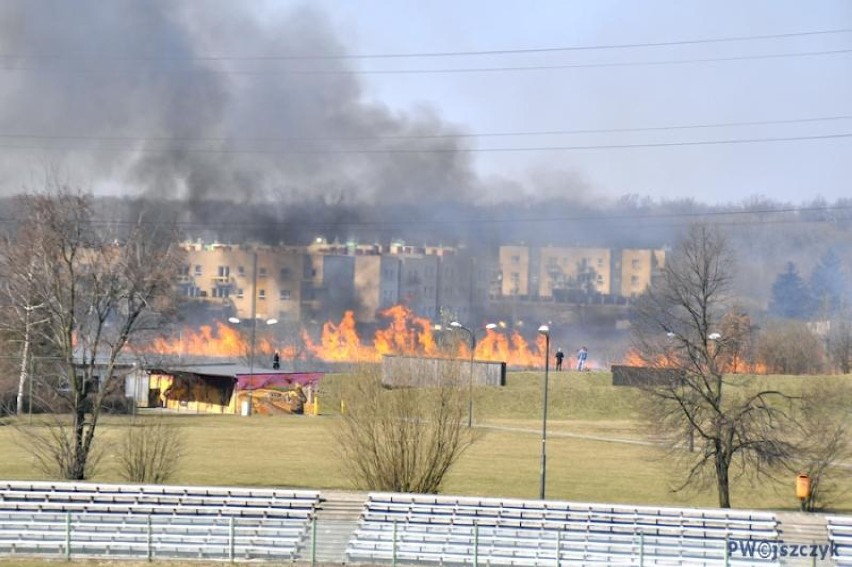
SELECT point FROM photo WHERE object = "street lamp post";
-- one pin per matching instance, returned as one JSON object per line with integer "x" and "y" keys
{"x": 472, "y": 335}
{"x": 253, "y": 343}
{"x": 544, "y": 330}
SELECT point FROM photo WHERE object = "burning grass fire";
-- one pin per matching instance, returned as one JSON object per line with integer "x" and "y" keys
{"x": 728, "y": 364}
{"x": 404, "y": 334}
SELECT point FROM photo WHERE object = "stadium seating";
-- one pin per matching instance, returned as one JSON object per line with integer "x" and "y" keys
{"x": 440, "y": 529}
{"x": 138, "y": 521}
{"x": 840, "y": 533}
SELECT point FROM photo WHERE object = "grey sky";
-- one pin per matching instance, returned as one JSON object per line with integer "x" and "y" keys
{"x": 631, "y": 97}
{"x": 124, "y": 96}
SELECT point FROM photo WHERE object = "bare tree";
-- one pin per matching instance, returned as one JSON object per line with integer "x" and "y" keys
{"x": 150, "y": 451}
{"x": 677, "y": 326}
{"x": 840, "y": 343}
{"x": 403, "y": 440}
{"x": 98, "y": 286}
{"x": 787, "y": 346}
{"x": 21, "y": 299}
{"x": 822, "y": 443}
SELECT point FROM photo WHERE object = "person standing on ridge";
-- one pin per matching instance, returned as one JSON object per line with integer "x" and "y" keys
{"x": 559, "y": 356}
{"x": 582, "y": 354}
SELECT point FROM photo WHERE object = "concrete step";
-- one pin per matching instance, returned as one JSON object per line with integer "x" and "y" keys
{"x": 803, "y": 528}
{"x": 336, "y": 520}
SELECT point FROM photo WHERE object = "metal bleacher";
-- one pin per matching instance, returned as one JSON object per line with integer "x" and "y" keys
{"x": 457, "y": 530}
{"x": 147, "y": 521}
{"x": 840, "y": 533}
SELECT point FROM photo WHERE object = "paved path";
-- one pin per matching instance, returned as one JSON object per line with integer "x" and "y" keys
{"x": 571, "y": 435}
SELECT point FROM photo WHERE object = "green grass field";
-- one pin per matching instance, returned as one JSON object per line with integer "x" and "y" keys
{"x": 596, "y": 449}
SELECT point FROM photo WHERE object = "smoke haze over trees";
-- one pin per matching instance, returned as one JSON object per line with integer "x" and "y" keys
{"x": 226, "y": 117}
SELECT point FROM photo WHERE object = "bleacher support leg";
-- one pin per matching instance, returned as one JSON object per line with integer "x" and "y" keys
{"x": 475, "y": 544}
{"x": 313, "y": 542}
{"x": 149, "y": 540}
{"x": 727, "y": 562}
{"x": 68, "y": 536}
{"x": 231, "y": 540}
{"x": 558, "y": 548}
{"x": 393, "y": 546}
{"x": 641, "y": 550}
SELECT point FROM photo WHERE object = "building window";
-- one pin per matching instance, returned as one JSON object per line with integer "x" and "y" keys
{"x": 224, "y": 271}
{"x": 286, "y": 273}
{"x": 634, "y": 281}
{"x": 600, "y": 262}
{"x": 634, "y": 264}
{"x": 261, "y": 272}
{"x": 285, "y": 295}
{"x": 184, "y": 270}
{"x": 241, "y": 271}
{"x": 239, "y": 293}
{"x": 261, "y": 294}
{"x": 516, "y": 259}
{"x": 197, "y": 269}
{"x": 221, "y": 292}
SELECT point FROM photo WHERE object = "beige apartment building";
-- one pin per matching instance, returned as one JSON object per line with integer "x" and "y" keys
{"x": 583, "y": 269}
{"x": 514, "y": 271}
{"x": 568, "y": 273}
{"x": 638, "y": 268}
{"x": 320, "y": 281}
{"x": 237, "y": 274}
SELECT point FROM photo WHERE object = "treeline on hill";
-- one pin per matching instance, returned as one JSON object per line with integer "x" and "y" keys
{"x": 791, "y": 260}
{"x": 766, "y": 235}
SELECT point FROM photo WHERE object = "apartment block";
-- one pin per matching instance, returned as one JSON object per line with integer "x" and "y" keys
{"x": 564, "y": 272}
{"x": 514, "y": 271}
{"x": 321, "y": 281}
{"x": 236, "y": 276}
{"x": 571, "y": 274}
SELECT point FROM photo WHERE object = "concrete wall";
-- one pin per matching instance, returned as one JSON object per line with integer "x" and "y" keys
{"x": 400, "y": 371}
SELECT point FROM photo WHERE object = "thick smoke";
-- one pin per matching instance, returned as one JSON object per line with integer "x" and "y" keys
{"x": 180, "y": 99}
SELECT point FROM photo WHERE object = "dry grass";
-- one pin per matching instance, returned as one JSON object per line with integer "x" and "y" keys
{"x": 299, "y": 451}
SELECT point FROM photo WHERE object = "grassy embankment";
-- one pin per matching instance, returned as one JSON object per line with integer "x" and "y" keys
{"x": 596, "y": 449}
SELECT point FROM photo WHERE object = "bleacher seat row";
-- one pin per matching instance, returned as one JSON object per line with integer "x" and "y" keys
{"x": 840, "y": 533}
{"x": 451, "y": 530}
{"x": 137, "y": 521}
{"x": 133, "y": 521}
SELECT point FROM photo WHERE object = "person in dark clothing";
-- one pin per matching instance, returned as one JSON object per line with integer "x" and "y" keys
{"x": 559, "y": 356}
{"x": 276, "y": 361}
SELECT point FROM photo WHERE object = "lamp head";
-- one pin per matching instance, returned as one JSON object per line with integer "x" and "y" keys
{"x": 544, "y": 330}
{"x": 491, "y": 326}
{"x": 234, "y": 320}
{"x": 271, "y": 321}
{"x": 455, "y": 324}
{"x": 714, "y": 336}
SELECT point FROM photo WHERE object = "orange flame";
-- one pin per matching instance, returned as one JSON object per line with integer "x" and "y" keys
{"x": 729, "y": 365}
{"x": 405, "y": 334}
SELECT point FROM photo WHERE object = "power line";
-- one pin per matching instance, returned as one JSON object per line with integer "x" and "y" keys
{"x": 583, "y": 218}
{"x": 425, "y": 54}
{"x": 457, "y": 70}
{"x": 228, "y": 151}
{"x": 424, "y": 136}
